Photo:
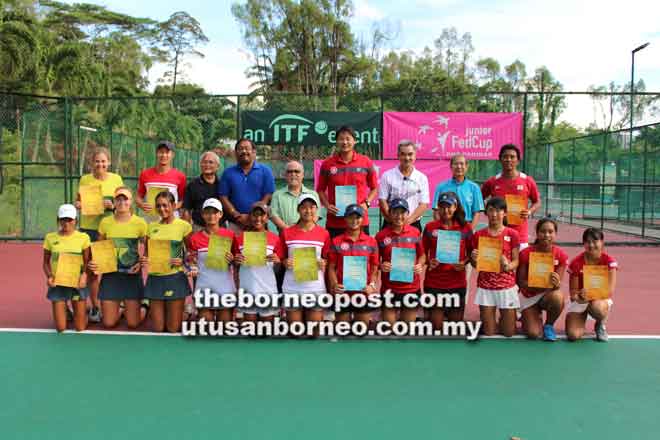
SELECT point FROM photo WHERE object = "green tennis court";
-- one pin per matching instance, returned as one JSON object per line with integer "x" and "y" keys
{"x": 117, "y": 386}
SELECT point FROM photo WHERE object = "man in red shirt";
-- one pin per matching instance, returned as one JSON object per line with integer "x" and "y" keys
{"x": 346, "y": 168}
{"x": 161, "y": 176}
{"x": 513, "y": 182}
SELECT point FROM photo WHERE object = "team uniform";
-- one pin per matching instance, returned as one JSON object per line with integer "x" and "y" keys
{"x": 498, "y": 289}
{"x": 89, "y": 224}
{"x": 216, "y": 281}
{"x": 126, "y": 236}
{"x": 343, "y": 246}
{"x": 409, "y": 238}
{"x": 576, "y": 267}
{"x": 444, "y": 278}
{"x": 295, "y": 237}
{"x": 334, "y": 172}
{"x": 523, "y": 185}
{"x": 58, "y": 244}
{"x": 259, "y": 280}
{"x": 529, "y": 298}
{"x": 172, "y": 284}
{"x": 173, "y": 180}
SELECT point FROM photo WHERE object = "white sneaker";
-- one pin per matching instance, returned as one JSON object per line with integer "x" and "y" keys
{"x": 601, "y": 332}
{"x": 95, "y": 314}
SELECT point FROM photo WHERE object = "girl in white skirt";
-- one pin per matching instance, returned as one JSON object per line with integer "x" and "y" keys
{"x": 579, "y": 307}
{"x": 498, "y": 290}
{"x": 534, "y": 300}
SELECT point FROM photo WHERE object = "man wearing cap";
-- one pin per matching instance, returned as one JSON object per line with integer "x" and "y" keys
{"x": 163, "y": 175}
{"x": 407, "y": 183}
{"x": 513, "y": 182}
{"x": 284, "y": 205}
{"x": 201, "y": 188}
{"x": 352, "y": 171}
{"x": 244, "y": 184}
{"x": 469, "y": 193}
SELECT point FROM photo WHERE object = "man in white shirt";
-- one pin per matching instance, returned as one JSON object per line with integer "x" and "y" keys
{"x": 405, "y": 182}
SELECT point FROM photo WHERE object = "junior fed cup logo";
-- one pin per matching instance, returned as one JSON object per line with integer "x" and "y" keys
{"x": 344, "y": 246}
{"x": 333, "y": 170}
{"x": 387, "y": 241}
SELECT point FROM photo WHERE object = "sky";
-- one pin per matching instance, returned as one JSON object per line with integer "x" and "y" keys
{"x": 583, "y": 43}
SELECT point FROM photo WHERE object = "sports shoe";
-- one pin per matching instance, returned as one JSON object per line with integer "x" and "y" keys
{"x": 549, "y": 333}
{"x": 94, "y": 314}
{"x": 601, "y": 332}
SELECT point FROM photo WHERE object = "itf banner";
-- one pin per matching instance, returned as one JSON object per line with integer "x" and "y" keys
{"x": 441, "y": 135}
{"x": 308, "y": 128}
{"x": 435, "y": 170}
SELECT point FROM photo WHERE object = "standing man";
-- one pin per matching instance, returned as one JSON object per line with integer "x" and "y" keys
{"x": 244, "y": 184}
{"x": 201, "y": 188}
{"x": 284, "y": 205}
{"x": 346, "y": 168}
{"x": 161, "y": 176}
{"x": 512, "y": 182}
{"x": 469, "y": 193}
{"x": 407, "y": 183}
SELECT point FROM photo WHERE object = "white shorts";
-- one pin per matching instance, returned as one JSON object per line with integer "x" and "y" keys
{"x": 574, "y": 307}
{"x": 502, "y": 299}
{"x": 526, "y": 303}
{"x": 265, "y": 312}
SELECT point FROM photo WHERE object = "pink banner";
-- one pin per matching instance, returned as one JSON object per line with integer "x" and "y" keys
{"x": 435, "y": 170}
{"x": 478, "y": 136}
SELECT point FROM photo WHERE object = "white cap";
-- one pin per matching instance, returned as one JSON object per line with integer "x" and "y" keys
{"x": 308, "y": 196}
{"x": 67, "y": 211}
{"x": 212, "y": 203}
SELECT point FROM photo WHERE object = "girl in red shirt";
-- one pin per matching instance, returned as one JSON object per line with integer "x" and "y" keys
{"x": 534, "y": 300}
{"x": 580, "y": 307}
{"x": 444, "y": 278}
{"x": 498, "y": 290}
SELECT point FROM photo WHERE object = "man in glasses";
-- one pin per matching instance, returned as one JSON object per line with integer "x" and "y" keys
{"x": 284, "y": 204}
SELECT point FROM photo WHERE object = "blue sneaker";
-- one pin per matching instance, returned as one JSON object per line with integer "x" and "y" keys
{"x": 549, "y": 333}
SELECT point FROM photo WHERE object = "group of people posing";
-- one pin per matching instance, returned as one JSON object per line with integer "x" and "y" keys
{"x": 194, "y": 218}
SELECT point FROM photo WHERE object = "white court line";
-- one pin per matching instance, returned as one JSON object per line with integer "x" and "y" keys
{"x": 126, "y": 333}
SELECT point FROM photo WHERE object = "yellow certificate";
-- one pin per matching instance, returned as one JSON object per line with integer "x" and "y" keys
{"x": 105, "y": 256}
{"x": 91, "y": 200}
{"x": 515, "y": 204}
{"x": 541, "y": 265}
{"x": 490, "y": 253}
{"x": 216, "y": 256}
{"x": 68, "y": 270}
{"x": 159, "y": 256}
{"x": 152, "y": 192}
{"x": 596, "y": 281}
{"x": 305, "y": 266}
{"x": 254, "y": 248}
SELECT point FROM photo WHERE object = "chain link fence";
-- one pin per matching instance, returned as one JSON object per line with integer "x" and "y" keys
{"x": 603, "y": 179}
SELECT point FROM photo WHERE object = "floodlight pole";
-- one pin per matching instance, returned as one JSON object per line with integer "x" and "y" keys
{"x": 632, "y": 112}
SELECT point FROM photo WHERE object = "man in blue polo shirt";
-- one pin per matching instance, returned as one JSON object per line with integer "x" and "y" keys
{"x": 244, "y": 184}
{"x": 468, "y": 192}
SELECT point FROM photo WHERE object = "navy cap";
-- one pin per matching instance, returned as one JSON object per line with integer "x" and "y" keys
{"x": 446, "y": 199}
{"x": 354, "y": 209}
{"x": 399, "y": 203}
{"x": 167, "y": 144}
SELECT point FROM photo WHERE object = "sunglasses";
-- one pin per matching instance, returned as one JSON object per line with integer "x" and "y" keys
{"x": 293, "y": 171}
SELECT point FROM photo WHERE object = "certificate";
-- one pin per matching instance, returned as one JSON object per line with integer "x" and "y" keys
{"x": 105, "y": 256}
{"x": 254, "y": 248}
{"x": 490, "y": 253}
{"x": 541, "y": 265}
{"x": 216, "y": 258}
{"x": 305, "y": 265}
{"x": 515, "y": 204}
{"x": 91, "y": 200}
{"x": 403, "y": 262}
{"x": 354, "y": 273}
{"x": 152, "y": 192}
{"x": 448, "y": 246}
{"x": 345, "y": 195}
{"x": 596, "y": 281}
{"x": 68, "y": 270}
{"x": 159, "y": 256}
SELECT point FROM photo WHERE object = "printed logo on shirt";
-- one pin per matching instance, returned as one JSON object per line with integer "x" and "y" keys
{"x": 387, "y": 241}
{"x": 344, "y": 246}
{"x": 507, "y": 238}
{"x": 520, "y": 187}
{"x": 435, "y": 233}
{"x": 556, "y": 262}
{"x": 333, "y": 170}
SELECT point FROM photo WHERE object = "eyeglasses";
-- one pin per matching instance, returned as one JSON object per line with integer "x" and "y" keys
{"x": 293, "y": 171}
